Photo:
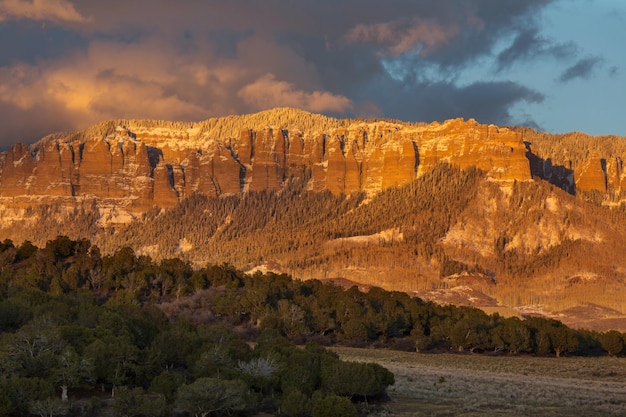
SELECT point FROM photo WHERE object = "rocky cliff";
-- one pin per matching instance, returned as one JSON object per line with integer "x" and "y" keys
{"x": 132, "y": 166}
{"x": 409, "y": 223}
{"x": 577, "y": 162}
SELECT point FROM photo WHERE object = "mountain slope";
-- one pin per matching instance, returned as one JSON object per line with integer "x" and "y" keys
{"x": 136, "y": 165}
{"x": 453, "y": 211}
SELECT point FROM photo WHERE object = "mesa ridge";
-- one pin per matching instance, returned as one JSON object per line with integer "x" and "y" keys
{"x": 454, "y": 212}
{"x": 137, "y": 165}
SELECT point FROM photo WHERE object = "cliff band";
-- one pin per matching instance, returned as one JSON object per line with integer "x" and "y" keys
{"x": 135, "y": 166}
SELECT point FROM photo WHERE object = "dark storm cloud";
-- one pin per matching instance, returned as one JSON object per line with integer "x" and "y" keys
{"x": 491, "y": 101}
{"x": 487, "y": 102}
{"x": 529, "y": 44}
{"x": 483, "y": 23}
{"x": 190, "y": 60}
{"x": 32, "y": 41}
{"x": 582, "y": 69}
{"x": 29, "y": 126}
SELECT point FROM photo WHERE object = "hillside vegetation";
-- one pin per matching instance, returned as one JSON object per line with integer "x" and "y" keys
{"x": 300, "y": 310}
{"x": 217, "y": 127}
{"x": 382, "y": 203}
{"x": 85, "y": 334}
{"x": 527, "y": 244}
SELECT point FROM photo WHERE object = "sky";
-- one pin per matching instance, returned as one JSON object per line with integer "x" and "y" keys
{"x": 554, "y": 65}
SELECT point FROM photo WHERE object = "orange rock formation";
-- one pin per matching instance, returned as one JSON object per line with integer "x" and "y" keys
{"x": 160, "y": 167}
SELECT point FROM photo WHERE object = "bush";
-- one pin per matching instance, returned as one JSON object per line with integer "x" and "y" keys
{"x": 211, "y": 395}
{"x": 135, "y": 402}
{"x": 333, "y": 406}
{"x": 20, "y": 392}
{"x": 612, "y": 342}
{"x": 167, "y": 383}
{"x": 355, "y": 379}
{"x": 49, "y": 407}
{"x": 295, "y": 404}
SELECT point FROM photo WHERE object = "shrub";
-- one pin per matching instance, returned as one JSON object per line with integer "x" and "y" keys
{"x": 167, "y": 383}
{"x": 206, "y": 396}
{"x": 333, "y": 406}
{"x": 295, "y": 404}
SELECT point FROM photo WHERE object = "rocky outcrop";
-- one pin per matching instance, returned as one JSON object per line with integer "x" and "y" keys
{"x": 498, "y": 151}
{"x": 267, "y": 170}
{"x": 137, "y": 166}
{"x": 616, "y": 178}
{"x": 164, "y": 192}
{"x": 17, "y": 171}
{"x": 592, "y": 175}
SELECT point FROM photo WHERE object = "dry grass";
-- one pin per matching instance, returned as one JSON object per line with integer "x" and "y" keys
{"x": 475, "y": 385}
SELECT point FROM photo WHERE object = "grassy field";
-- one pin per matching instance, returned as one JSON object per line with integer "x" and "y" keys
{"x": 477, "y": 385}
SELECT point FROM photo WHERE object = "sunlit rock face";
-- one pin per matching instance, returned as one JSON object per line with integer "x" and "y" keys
{"x": 591, "y": 175}
{"x": 616, "y": 177}
{"x": 136, "y": 165}
{"x": 498, "y": 151}
{"x": 18, "y": 172}
{"x": 267, "y": 170}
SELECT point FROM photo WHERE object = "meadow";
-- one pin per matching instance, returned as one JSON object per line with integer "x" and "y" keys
{"x": 479, "y": 385}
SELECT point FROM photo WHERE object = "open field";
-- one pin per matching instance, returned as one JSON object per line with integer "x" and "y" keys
{"x": 478, "y": 385}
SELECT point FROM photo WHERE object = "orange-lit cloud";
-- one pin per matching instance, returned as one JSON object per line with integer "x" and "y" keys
{"x": 267, "y": 92}
{"x": 190, "y": 60}
{"x": 107, "y": 81}
{"x": 399, "y": 37}
{"x": 151, "y": 79}
{"x": 52, "y": 10}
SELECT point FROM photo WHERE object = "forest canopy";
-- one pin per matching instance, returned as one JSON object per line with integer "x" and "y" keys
{"x": 165, "y": 337}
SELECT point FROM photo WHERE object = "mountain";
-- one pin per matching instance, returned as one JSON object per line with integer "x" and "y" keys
{"x": 455, "y": 211}
{"x": 135, "y": 165}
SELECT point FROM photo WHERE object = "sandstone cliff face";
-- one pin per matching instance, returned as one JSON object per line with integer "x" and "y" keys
{"x": 136, "y": 166}
{"x": 616, "y": 177}
{"x": 592, "y": 175}
{"x": 17, "y": 171}
{"x": 498, "y": 151}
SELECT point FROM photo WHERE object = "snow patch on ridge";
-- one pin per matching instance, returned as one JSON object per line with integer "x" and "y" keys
{"x": 114, "y": 215}
{"x": 389, "y": 235}
{"x": 184, "y": 245}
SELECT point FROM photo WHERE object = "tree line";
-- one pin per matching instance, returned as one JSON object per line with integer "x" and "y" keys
{"x": 520, "y": 237}
{"x": 81, "y": 334}
{"x": 302, "y": 311}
